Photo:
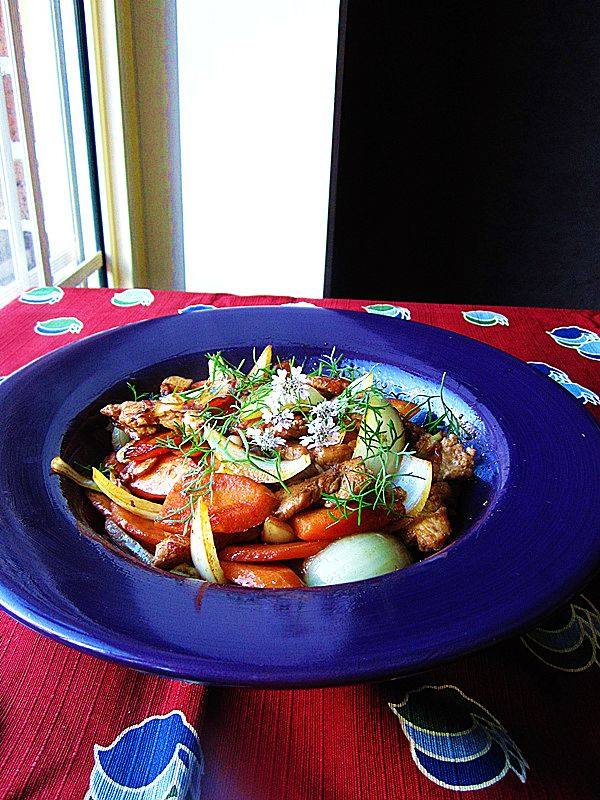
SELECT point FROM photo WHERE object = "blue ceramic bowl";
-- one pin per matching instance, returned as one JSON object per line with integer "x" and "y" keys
{"x": 530, "y": 533}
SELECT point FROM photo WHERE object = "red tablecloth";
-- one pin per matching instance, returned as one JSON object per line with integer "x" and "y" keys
{"x": 519, "y": 720}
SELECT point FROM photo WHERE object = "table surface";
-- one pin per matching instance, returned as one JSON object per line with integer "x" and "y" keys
{"x": 517, "y": 720}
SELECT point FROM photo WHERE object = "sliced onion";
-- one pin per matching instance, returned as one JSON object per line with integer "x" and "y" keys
{"x": 361, "y": 384}
{"x": 202, "y": 543}
{"x": 355, "y": 558}
{"x": 123, "y": 498}
{"x": 414, "y": 477}
{"x": 262, "y": 363}
{"x": 262, "y": 470}
{"x": 61, "y": 467}
{"x": 382, "y": 427}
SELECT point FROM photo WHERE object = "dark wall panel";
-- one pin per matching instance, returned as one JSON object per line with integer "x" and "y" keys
{"x": 469, "y": 153}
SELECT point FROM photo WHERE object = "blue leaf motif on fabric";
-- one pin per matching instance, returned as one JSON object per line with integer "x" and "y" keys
{"x": 576, "y": 389}
{"x": 455, "y": 741}
{"x": 387, "y": 310}
{"x": 569, "y": 640}
{"x": 58, "y": 325}
{"x": 590, "y": 350}
{"x": 573, "y": 336}
{"x": 132, "y": 297}
{"x": 485, "y": 318}
{"x": 195, "y": 307}
{"x": 42, "y": 294}
{"x": 158, "y": 758}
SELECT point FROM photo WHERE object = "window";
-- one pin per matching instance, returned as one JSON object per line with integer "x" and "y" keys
{"x": 256, "y": 99}
{"x": 49, "y": 212}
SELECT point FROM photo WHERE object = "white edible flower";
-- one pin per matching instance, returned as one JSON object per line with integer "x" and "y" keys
{"x": 296, "y": 384}
{"x": 321, "y": 433}
{"x": 265, "y": 439}
{"x": 288, "y": 387}
{"x": 327, "y": 409}
{"x": 278, "y": 419}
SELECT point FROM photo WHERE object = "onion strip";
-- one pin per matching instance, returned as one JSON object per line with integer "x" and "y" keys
{"x": 123, "y": 498}
{"x": 202, "y": 544}
{"x": 60, "y": 467}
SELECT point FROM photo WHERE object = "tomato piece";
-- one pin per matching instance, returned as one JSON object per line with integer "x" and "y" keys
{"x": 235, "y": 504}
{"x": 155, "y": 484}
{"x": 150, "y": 446}
{"x": 271, "y": 552}
{"x": 261, "y": 577}
{"x": 327, "y": 524}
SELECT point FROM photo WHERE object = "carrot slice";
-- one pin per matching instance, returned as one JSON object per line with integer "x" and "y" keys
{"x": 261, "y": 577}
{"x": 235, "y": 504}
{"x": 144, "y": 530}
{"x": 327, "y": 524}
{"x": 271, "y": 552}
{"x": 100, "y": 502}
{"x": 176, "y": 510}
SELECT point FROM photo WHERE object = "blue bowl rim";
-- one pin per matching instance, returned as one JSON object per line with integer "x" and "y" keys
{"x": 547, "y": 403}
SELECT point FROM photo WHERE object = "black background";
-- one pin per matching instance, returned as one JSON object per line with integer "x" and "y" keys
{"x": 469, "y": 154}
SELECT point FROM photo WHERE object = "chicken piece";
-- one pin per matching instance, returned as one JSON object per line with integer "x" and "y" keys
{"x": 145, "y": 417}
{"x": 440, "y": 494}
{"x": 429, "y": 531}
{"x": 297, "y": 429}
{"x": 174, "y": 383}
{"x": 304, "y": 494}
{"x": 425, "y": 445}
{"x": 334, "y": 454}
{"x": 450, "y": 458}
{"x": 354, "y": 477}
{"x": 456, "y": 461}
{"x": 173, "y": 550}
{"x": 291, "y": 451}
{"x": 323, "y": 456}
{"x": 328, "y": 386}
{"x": 134, "y": 416}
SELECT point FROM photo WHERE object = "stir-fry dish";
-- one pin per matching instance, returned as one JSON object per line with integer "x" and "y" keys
{"x": 279, "y": 476}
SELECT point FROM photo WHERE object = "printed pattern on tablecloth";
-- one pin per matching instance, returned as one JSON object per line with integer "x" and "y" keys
{"x": 584, "y": 341}
{"x": 485, "y": 318}
{"x": 568, "y": 640}
{"x": 455, "y": 741}
{"x": 157, "y": 759}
